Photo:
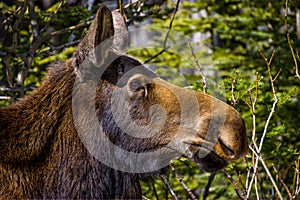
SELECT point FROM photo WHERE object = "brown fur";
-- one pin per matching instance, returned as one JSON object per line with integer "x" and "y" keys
{"x": 42, "y": 156}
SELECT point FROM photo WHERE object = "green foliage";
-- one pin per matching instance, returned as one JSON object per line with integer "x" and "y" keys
{"x": 242, "y": 29}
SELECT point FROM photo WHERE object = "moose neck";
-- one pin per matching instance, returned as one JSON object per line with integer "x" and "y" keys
{"x": 33, "y": 121}
{"x": 40, "y": 135}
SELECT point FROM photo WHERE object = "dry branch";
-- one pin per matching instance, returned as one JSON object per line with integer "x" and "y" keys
{"x": 282, "y": 182}
{"x": 257, "y": 150}
{"x": 179, "y": 178}
{"x": 169, "y": 187}
{"x": 167, "y": 35}
{"x": 237, "y": 189}
{"x": 199, "y": 67}
{"x": 297, "y": 179}
{"x": 233, "y": 82}
{"x": 289, "y": 41}
{"x": 209, "y": 182}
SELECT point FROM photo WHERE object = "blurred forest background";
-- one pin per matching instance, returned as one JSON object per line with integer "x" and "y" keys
{"x": 253, "y": 44}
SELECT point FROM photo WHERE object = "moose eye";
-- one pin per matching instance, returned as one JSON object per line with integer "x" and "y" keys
{"x": 136, "y": 85}
{"x": 139, "y": 85}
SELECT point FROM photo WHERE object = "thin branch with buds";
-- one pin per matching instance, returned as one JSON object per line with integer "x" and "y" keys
{"x": 199, "y": 67}
{"x": 234, "y": 98}
{"x": 14, "y": 45}
{"x": 289, "y": 40}
{"x": 297, "y": 179}
{"x": 165, "y": 47}
{"x": 52, "y": 50}
{"x": 169, "y": 187}
{"x": 179, "y": 178}
{"x": 209, "y": 182}
{"x": 260, "y": 158}
{"x": 257, "y": 150}
{"x": 252, "y": 105}
{"x": 282, "y": 182}
{"x": 237, "y": 189}
{"x": 272, "y": 80}
{"x": 52, "y": 17}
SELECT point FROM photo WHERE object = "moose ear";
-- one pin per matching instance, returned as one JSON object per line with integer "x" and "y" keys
{"x": 97, "y": 42}
{"x": 121, "y": 33}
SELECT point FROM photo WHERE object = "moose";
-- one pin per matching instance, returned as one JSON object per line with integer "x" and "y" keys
{"x": 54, "y": 142}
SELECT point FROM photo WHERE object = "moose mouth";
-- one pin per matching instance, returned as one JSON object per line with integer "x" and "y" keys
{"x": 206, "y": 157}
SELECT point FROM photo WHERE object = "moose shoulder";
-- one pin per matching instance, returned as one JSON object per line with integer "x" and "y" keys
{"x": 50, "y": 141}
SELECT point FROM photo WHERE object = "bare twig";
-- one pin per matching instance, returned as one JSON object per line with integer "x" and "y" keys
{"x": 121, "y": 7}
{"x": 259, "y": 157}
{"x": 9, "y": 73}
{"x": 156, "y": 55}
{"x": 182, "y": 182}
{"x": 171, "y": 23}
{"x": 274, "y": 95}
{"x": 289, "y": 41}
{"x": 199, "y": 67}
{"x": 131, "y": 4}
{"x": 209, "y": 182}
{"x": 36, "y": 44}
{"x": 17, "y": 89}
{"x": 234, "y": 98}
{"x": 252, "y": 106}
{"x": 52, "y": 50}
{"x": 154, "y": 190}
{"x": 52, "y": 17}
{"x": 8, "y": 56}
{"x": 144, "y": 197}
{"x": 33, "y": 20}
{"x": 258, "y": 149}
{"x": 16, "y": 27}
{"x": 169, "y": 187}
{"x": 35, "y": 35}
{"x": 282, "y": 182}
{"x": 239, "y": 192}
{"x": 233, "y": 82}
{"x": 297, "y": 179}
{"x": 167, "y": 35}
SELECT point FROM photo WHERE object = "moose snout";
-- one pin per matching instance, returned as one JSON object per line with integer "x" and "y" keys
{"x": 232, "y": 140}
{"x": 221, "y": 132}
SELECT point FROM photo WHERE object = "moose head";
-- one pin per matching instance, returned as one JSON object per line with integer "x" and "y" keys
{"x": 137, "y": 121}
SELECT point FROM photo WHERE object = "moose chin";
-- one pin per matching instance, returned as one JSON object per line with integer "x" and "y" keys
{"x": 74, "y": 137}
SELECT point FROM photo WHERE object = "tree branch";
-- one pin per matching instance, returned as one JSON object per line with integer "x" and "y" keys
{"x": 182, "y": 182}
{"x": 233, "y": 82}
{"x": 52, "y": 17}
{"x": 257, "y": 151}
{"x": 209, "y": 182}
{"x": 297, "y": 179}
{"x": 259, "y": 157}
{"x": 167, "y": 35}
{"x": 282, "y": 182}
{"x": 169, "y": 187}
{"x": 238, "y": 191}
{"x": 199, "y": 67}
{"x": 289, "y": 41}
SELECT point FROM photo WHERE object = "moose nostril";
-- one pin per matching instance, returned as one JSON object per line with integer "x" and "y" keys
{"x": 229, "y": 151}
